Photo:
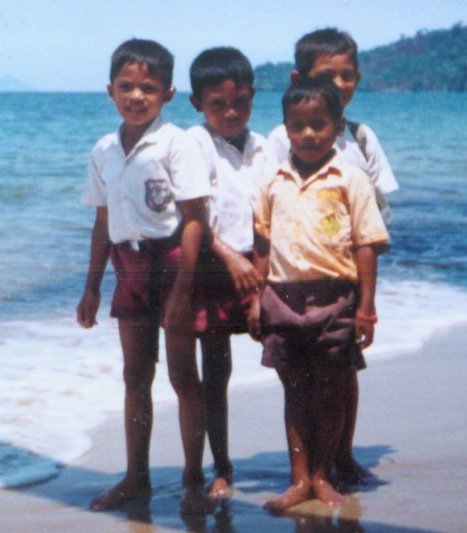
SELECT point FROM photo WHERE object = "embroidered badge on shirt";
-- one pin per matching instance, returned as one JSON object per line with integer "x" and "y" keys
{"x": 158, "y": 195}
{"x": 330, "y": 224}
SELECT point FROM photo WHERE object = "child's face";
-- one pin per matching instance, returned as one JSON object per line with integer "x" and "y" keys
{"x": 138, "y": 95}
{"x": 226, "y": 107}
{"x": 311, "y": 130}
{"x": 341, "y": 69}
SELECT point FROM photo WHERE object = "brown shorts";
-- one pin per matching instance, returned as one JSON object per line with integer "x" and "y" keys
{"x": 144, "y": 278}
{"x": 310, "y": 322}
{"x": 218, "y": 306}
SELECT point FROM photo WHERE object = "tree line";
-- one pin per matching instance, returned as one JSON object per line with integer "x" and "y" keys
{"x": 433, "y": 60}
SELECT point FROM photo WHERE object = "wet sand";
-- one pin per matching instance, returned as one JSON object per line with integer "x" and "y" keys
{"x": 411, "y": 433}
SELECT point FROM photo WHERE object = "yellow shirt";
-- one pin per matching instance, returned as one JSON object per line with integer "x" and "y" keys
{"x": 315, "y": 224}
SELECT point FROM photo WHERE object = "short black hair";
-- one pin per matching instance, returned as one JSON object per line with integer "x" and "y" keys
{"x": 328, "y": 41}
{"x": 215, "y": 65}
{"x": 159, "y": 60}
{"x": 319, "y": 87}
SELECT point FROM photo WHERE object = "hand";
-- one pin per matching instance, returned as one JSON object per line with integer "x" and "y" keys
{"x": 178, "y": 311}
{"x": 87, "y": 309}
{"x": 245, "y": 276}
{"x": 253, "y": 318}
{"x": 364, "y": 332}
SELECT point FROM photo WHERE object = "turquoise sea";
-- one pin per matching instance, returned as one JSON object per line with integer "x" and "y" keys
{"x": 47, "y": 360}
{"x": 46, "y": 139}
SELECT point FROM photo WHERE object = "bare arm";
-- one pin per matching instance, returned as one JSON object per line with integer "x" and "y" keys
{"x": 100, "y": 249}
{"x": 261, "y": 263}
{"x": 178, "y": 308}
{"x": 366, "y": 312}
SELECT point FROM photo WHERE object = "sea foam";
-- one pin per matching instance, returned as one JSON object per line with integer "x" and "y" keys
{"x": 58, "y": 381}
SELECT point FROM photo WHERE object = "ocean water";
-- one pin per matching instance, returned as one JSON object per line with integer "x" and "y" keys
{"x": 59, "y": 381}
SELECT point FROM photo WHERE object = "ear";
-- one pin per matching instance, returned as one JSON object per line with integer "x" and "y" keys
{"x": 341, "y": 126}
{"x": 196, "y": 103}
{"x": 253, "y": 92}
{"x": 110, "y": 91}
{"x": 169, "y": 94}
{"x": 294, "y": 76}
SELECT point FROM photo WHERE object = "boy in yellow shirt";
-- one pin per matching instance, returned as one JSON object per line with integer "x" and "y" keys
{"x": 319, "y": 230}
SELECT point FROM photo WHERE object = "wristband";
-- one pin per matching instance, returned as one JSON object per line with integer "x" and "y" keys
{"x": 372, "y": 319}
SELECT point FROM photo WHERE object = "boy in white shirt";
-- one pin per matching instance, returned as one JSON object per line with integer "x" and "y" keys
{"x": 222, "y": 88}
{"x": 149, "y": 188}
{"x": 333, "y": 53}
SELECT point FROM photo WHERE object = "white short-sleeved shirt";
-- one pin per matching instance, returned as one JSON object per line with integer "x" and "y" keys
{"x": 141, "y": 189}
{"x": 235, "y": 180}
{"x": 376, "y": 166}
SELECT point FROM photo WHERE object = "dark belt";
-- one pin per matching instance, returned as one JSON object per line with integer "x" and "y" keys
{"x": 149, "y": 245}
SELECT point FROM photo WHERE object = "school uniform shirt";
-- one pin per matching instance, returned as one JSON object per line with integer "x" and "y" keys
{"x": 141, "y": 189}
{"x": 235, "y": 179}
{"x": 314, "y": 224}
{"x": 376, "y": 166}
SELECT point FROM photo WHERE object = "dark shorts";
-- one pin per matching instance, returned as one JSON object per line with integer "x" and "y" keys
{"x": 144, "y": 278}
{"x": 218, "y": 306}
{"x": 310, "y": 322}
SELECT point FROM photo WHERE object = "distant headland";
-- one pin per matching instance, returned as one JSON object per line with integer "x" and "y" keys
{"x": 8, "y": 83}
{"x": 430, "y": 61}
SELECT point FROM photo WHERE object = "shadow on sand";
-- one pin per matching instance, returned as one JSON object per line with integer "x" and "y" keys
{"x": 256, "y": 479}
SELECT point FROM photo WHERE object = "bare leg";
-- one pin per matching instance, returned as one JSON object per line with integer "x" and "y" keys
{"x": 217, "y": 367}
{"x": 329, "y": 403}
{"x": 347, "y": 468}
{"x": 183, "y": 375}
{"x": 298, "y": 429}
{"x": 139, "y": 341}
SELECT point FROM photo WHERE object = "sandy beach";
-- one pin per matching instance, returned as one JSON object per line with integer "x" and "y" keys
{"x": 411, "y": 433}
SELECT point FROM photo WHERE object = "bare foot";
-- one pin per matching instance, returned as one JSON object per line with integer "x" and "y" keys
{"x": 294, "y": 495}
{"x": 196, "y": 501}
{"x": 325, "y": 492}
{"x": 220, "y": 488}
{"x": 119, "y": 495}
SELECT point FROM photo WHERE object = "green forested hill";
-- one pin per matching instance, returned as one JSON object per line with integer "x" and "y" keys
{"x": 429, "y": 61}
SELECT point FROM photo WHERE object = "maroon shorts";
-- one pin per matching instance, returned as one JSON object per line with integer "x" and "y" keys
{"x": 310, "y": 322}
{"x": 144, "y": 278}
{"x": 218, "y": 306}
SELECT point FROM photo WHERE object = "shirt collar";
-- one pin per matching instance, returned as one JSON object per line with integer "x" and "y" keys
{"x": 149, "y": 136}
{"x": 287, "y": 170}
{"x": 251, "y": 145}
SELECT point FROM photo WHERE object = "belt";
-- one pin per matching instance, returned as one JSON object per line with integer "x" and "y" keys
{"x": 147, "y": 245}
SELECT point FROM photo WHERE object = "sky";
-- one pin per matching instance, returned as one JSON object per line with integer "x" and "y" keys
{"x": 65, "y": 45}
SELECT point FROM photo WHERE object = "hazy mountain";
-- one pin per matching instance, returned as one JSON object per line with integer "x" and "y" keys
{"x": 430, "y": 61}
{"x": 8, "y": 83}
